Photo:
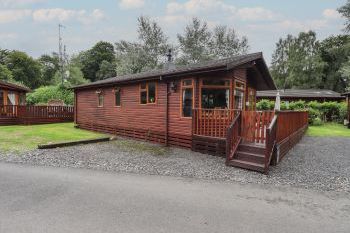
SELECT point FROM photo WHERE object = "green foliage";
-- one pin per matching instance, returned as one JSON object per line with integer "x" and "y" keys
{"x": 49, "y": 67}
{"x": 317, "y": 121}
{"x": 345, "y": 12}
{"x": 145, "y": 54}
{"x": 325, "y": 111}
{"x": 24, "y": 69}
{"x": 198, "y": 43}
{"x": 91, "y": 60}
{"x": 74, "y": 78}
{"x": 296, "y": 62}
{"x": 44, "y": 94}
{"x": 5, "y": 74}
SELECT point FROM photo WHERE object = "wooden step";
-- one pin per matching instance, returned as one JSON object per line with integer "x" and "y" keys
{"x": 250, "y": 157}
{"x": 252, "y": 148}
{"x": 247, "y": 165}
{"x": 8, "y": 121}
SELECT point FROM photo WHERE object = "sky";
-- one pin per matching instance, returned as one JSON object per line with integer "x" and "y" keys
{"x": 32, "y": 25}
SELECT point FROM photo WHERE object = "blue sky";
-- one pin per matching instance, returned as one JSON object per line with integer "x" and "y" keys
{"x": 31, "y": 25}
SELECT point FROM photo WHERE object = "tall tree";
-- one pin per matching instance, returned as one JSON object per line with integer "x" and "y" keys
{"x": 49, "y": 67}
{"x": 93, "y": 58}
{"x": 335, "y": 51}
{"x": 5, "y": 74}
{"x": 144, "y": 54}
{"x": 345, "y": 12}
{"x": 226, "y": 43}
{"x": 297, "y": 63}
{"x": 195, "y": 42}
{"x": 24, "y": 69}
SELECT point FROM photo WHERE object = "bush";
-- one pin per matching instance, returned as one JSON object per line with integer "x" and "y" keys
{"x": 317, "y": 121}
{"x": 313, "y": 115}
{"x": 44, "y": 94}
{"x": 265, "y": 105}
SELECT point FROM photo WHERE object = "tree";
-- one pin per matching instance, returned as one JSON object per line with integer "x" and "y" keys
{"x": 335, "y": 52}
{"x": 5, "y": 74}
{"x": 296, "y": 62}
{"x": 75, "y": 77}
{"x": 49, "y": 67}
{"x": 92, "y": 59}
{"x": 146, "y": 53}
{"x": 24, "y": 69}
{"x": 194, "y": 43}
{"x": 106, "y": 70}
{"x": 226, "y": 43}
{"x": 345, "y": 12}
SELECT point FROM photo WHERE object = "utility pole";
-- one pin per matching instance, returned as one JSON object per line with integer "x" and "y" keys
{"x": 62, "y": 53}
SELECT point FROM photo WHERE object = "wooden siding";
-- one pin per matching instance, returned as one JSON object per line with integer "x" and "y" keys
{"x": 144, "y": 121}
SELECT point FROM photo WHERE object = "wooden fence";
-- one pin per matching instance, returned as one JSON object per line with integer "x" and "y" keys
{"x": 212, "y": 122}
{"x": 37, "y": 114}
{"x": 289, "y": 122}
{"x": 254, "y": 125}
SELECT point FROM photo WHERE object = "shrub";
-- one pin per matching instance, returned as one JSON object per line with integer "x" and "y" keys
{"x": 44, "y": 94}
{"x": 313, "y": 115}
{"x": 317, "y": 121}
{"x": 265, "y": 105}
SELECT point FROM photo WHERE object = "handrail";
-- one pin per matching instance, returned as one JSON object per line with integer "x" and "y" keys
{"x": 271, "y": 134}
{"x": 233, "y": 137}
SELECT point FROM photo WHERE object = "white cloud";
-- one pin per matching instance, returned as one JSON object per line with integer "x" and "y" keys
{"x": 16, "y": 3}
{"x": 255, "y": 13}
{"x": 8, "y": 16}
{"x": 199, "y": 6}
{"x": 5, "y": 36}
{"x": 59, "y": 14}
{"x": 331, "y": 14}
{"x": 131, "y": 4}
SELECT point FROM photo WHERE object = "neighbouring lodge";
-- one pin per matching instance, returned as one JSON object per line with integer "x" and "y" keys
{"x": 208, "y": 107}
{"x": 13, "y": 108}
{"x": 301, "y": 94}
{"x": 347, "y": 96}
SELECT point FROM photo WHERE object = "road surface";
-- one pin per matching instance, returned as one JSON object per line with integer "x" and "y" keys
{"x": 45, "y": 199}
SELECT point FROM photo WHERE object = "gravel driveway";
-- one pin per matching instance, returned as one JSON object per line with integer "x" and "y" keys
{"x": 315, "y": 163}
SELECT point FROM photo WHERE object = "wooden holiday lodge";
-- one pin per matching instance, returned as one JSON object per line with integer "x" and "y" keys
{"x": 208, "y": 107}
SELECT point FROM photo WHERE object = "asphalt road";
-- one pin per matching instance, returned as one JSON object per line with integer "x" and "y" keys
{"x": 44, "y": 199}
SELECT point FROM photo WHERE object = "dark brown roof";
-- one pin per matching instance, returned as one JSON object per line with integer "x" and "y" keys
{"x": 346, "y": 94}
{"x": 300, "y": 93}
{"x": 12, "y": 86}
{"x": 227, "y": 64}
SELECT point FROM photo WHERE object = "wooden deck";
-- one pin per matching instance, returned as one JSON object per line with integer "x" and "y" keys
{"x": 253, "y": 139}
{"x": 16, "y": 114}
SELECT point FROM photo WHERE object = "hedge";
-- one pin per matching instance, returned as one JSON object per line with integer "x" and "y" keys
{"x": 318, "y": 112}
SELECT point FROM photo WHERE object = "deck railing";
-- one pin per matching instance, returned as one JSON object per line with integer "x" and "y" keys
{"x": 37, "y": 114}
{"x": 255, "y": 124}
{"x": 8, "y": 111}
{"x": 212, "y": 122}
{"x": 271, "y": 135}
{"x": 290, "y": 122}
{"x": 233, "y": 138}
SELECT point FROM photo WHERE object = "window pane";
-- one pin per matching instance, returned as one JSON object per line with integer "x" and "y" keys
{"x": 11, "y": 98}
{"x": 213, "y": 82}
{"x": 100, "y": 100}
{"x": 151, "y": 93}
{"x": 215, "y": 98}
{"x": 239, "y": 98}
{"x": 143, "y": 97}
{"x": 1, "y": 97}
{"x": 117, "y": 98}
{"x": 143, "y": 86}
{"x": 187, "y": 98}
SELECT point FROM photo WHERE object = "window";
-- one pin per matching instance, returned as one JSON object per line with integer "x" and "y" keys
{"x": 2, "y": 101}
{"x": 148, "y": 93}
{"x": 215, "y": 94}
{"x": 117, "y": 97}
{"x": 11, "y": 98}
{"x": 187, "y": 97}
{"x": 22, "y": 99}
{"x": 100, "y": 99}
{"x": 239, "y": 95}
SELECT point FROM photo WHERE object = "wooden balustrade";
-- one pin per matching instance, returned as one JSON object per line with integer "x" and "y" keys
{"x": 212, "y": 122}
{"x": 37, "y": 114}
{"x": 271, "y": 135}
{"x": 233, "y": 138}
{"x": 8, "y": 111}
{"x": 290, "y": 122}
{"x": 254, "y": 125}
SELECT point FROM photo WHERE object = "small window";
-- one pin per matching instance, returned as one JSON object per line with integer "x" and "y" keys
{"x": 148, "y": 93}
{"x": 22, "y": 99}
{"x": 117, "y": 97}
{"x": 187, "y": 98}
{"x": 239, "y": 96}
{"x": 100, "y": 99}
{"x": 213, "y": 82}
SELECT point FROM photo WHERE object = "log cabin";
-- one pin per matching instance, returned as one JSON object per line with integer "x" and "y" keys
{"x": 10, "y": 95}
{"x": 207, "y": 107}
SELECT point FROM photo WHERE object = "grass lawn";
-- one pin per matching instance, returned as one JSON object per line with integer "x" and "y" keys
{"x": 23, "y": 138}
{"x": 329, "y": 130}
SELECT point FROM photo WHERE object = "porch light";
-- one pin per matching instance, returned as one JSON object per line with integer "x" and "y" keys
{"x": 173, "y": 86}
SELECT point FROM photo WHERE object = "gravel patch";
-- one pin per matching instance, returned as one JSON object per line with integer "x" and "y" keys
{"x": 315, "y": 163}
